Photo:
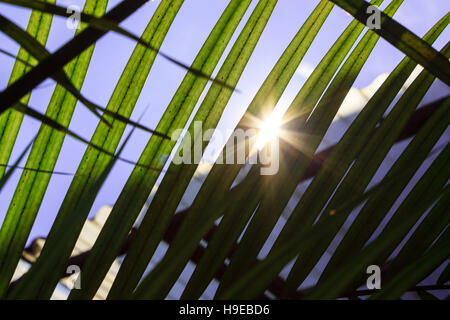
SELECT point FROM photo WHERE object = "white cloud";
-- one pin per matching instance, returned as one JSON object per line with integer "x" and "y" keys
{"x": 305, "y": 70}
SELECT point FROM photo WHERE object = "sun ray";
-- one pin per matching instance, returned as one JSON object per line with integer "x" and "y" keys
{"x": 268, "y": 130}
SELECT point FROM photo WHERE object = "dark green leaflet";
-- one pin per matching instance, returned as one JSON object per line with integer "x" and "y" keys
{"x": 402, "y": 39}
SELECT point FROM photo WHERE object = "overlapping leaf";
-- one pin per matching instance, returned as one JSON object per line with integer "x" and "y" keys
{"x": 42, "y": 278}
{"x": 32, "y": 185}
{"x": 273, "y": 202}
{"x": 266, "y": 97}
{"x": 210, "y": 112}
{"x": 10, "y": 121}
{"x": 401, "y": 38}
{"x": 362, "y": 171}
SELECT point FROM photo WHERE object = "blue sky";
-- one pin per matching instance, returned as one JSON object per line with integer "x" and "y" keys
{"x": 188, "y": 32}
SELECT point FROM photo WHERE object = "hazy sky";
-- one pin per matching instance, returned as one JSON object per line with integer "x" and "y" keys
{"x": 188, "y": 32}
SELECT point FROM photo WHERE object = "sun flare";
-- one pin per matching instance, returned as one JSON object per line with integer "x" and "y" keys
{"x": 268, "y": 130}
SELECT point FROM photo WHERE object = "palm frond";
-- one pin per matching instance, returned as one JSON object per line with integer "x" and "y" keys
{"x": 351, "y": 210}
